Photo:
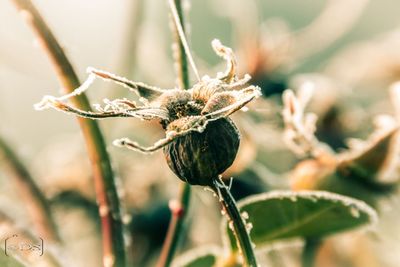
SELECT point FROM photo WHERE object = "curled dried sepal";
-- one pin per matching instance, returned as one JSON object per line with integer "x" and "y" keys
{"x": 300, "y": 127}
{"x": 224, "y": 107}
{"x": 193, "y": 124}
{"x": 226, "y": 53}
{"x": 47, "y": 100}
{"x": 115, "y": 108}
{"x": 144, "y": 91}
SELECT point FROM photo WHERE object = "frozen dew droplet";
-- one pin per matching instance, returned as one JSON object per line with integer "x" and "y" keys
{"x": 293, "y": 198}
{"x": 245, "y": 215}
{"x": 354, "y": 212}
{"x": 249, "y": 226}
{"x": 240, "y": 259}
{"x": 231, "y": 226}
{"x": 143, "y": 100}
{"x": 126, "y": 218}
{"x": 108, "y": 260}
{"x": 253, "y": 245}
{"x": 103, "y": 210}
{"x": 313, "y": 199}
{"x": 223, "y": 212}
{"x": 244, "y": 109}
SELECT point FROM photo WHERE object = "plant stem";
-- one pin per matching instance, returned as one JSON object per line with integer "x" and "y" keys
{"x": 179, "y": 50}
{"x": 236, "y": 220}
{"x": 310, "y": 250}
{"x": 178, "y": 210}
{"x": 35, "y": 201}
{"x": 104, "y": 180}
{"x": 179, "y": 207}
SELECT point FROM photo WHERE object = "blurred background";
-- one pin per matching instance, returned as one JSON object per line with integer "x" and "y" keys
{"x": 349, "y": 50}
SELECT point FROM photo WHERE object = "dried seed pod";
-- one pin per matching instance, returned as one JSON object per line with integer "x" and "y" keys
{"x": 200, "y": 141}
{"x": 198, "y": 158}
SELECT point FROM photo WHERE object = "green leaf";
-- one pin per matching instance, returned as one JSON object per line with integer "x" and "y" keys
{"x": 308, "y": 214}
{"x": 200, "y": 257}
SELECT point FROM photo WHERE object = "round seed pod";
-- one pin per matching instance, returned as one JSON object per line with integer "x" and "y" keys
{"x": 198, "y": 158}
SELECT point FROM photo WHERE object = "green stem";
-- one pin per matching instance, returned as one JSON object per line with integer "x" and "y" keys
{"x": 180, "y": 207}
{"x": 236, "y": 220}
{"x": 179, "y": 53}
{"x": 310, "y": 250}
{"x": 104, "y": 180}
{"x": 34, "y": 199}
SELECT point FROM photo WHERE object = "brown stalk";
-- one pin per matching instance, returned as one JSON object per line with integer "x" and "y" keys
{"x": 104, "y": 180}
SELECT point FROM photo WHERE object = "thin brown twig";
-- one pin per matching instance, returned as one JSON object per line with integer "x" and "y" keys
{"x": 36, "y": 203}
{"x": 104, "y": 180}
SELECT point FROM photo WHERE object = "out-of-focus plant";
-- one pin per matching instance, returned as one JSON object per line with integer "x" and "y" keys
{"x": 366, "y": 171}
{"x": 201, "y": 142}
{"x": 36, "y": 202}
{"x": 274, "y": 52}
{"x": 381, "y": 49}
{"x": 106, "y": 191}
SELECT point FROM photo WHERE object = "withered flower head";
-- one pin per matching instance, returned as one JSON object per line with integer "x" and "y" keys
{"x": 200, "y": 140}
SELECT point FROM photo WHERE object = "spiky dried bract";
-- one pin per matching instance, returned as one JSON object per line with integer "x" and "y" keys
{"x": 200, "y": 140}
